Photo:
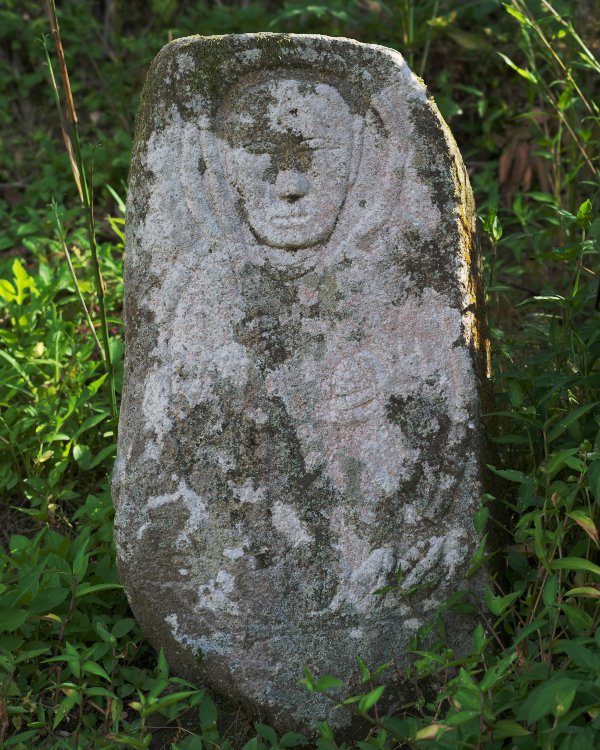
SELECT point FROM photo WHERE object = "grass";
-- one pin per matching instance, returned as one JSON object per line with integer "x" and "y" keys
{"x": 75, "y": 671}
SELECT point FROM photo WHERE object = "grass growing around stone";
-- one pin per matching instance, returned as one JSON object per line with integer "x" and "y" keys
{"x": 75, "y": 671}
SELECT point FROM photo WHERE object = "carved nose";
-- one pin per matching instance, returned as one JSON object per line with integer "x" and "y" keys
{"x": 291, "y": 185}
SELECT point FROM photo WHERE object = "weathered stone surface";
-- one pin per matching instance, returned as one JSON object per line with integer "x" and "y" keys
{"x": 301, "y": 407}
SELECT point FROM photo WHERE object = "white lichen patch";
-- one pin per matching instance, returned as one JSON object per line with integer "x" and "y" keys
{"x": 195, "y": 507}
{"x": 214, "y": 595}
{"x": 233, "y": 553}
{"x": 247, "y": 493}
{"x": 286, "y": 521}
{"x": 199, "y": 645}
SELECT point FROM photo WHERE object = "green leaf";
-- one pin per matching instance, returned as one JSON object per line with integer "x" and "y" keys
{"x": 517, "y": 14}
{"x": 93, "y": 387}
{"x": 550, "y": 590}
{"x": 23, "y": 281}
{"x": 328, "y": 682}
{"x": 568, "y": 420}
{"x": 401, "y": 728}
{"x": 575, "y": 563}
{"x": 509, "y": 728}
{"x": 308, "y": 681}
{"x": 48, "y": 599}
{"x": 81, "y": 561}
{"x": 293, "y": 739}
{"x": 585, "y": 522}
{"x": 587, "y": 592}
{"x": 123, "y": 739}
{"x": 594, "y": 479}
{"x": 88, "y": 588}
{"x": 93, "y": 668}
{"x": 462, "y": 717}
{"x": 167, "y": 701}
{"x": 364, "y": 670}
{"x": 545, "y": 699}
{"x": 268, "y": 733}
{"x": 578, "y": 618}
{"x": 498, "y": 604}
{"x": 584, "y": 214}
{"x": 17, "y": 739}
{"x": 12, "y": 619}
{"x": 370, "y": 699}
{"x": 513, "y": 475}
{"x": 33, "y": 654}
{"x": 207, "y": 712}
{"x": 103, "y": 633}
{"x": 527, "y": 74}
{"x": 65, "y": 706}
{"x": 162, "y": 666}
{"x": 123, "y": 627}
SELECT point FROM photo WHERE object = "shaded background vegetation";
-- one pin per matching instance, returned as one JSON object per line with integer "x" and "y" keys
{"x": 74, "y": 669}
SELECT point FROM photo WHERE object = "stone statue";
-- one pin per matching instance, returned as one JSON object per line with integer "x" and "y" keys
{"x": 304, "y": 362}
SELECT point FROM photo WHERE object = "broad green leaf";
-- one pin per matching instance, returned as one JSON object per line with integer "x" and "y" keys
{"x": 93, "y": 668}
{"x": 23, "y": 281}
{"x": 568, "y": 420}
{"x": 207, "y": 712}
{"x": 575, "y": 563}
{"x": 33, "y": 654}
{"x": 462, "y": 717}
{"x": 527, "y": 74}
{"x": 401, "y": 728}
{"x": 584, "y": 214}
{"x": 594, "y": 479}
{"x": 584, "y": 591}
{"x": 100, "y": 691}
{"x": 577, "y": 617}
{"x": 12, "y": 619}
{"x": 21, "y": 737}
{"x": 509, "y": 728}
{"x": 550, "y": 590}
{"x": 88, "y": 588}
{"x": 123, "y": 627}
{"x": 367, "y": 702}
{"x": 162, "y": 665}
{"x": 327, "y": 682}
{"x": 268, "y": 733}
{"x": 430, "y": 732}
{"x": 81, "y": 561}
{"x": 498, "y": 604}
{"x": 103, "y": 633}
{"x": 364, "y": 670}
{"x": 293, "y": 739}
{"x": 48, "y": 599}
{"x": 65, "y": 706}
{"x": 545, "y": 699}
{"x": 123, "y": 739}
{"x": 522, "y": 20}
{"x": 585, "y": 522}
{"x": 513, "y": 475}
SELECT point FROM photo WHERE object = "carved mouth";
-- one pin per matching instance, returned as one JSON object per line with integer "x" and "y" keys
{"x": 290, "y": 220}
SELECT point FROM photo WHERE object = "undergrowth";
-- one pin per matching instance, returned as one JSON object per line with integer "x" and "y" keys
{"x": 75, "y": 671}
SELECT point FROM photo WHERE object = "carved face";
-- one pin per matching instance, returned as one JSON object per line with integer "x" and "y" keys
{"x": 288, "y": 154}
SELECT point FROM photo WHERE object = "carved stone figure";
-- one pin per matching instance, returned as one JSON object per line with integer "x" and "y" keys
{"x": 300, "y": 418}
